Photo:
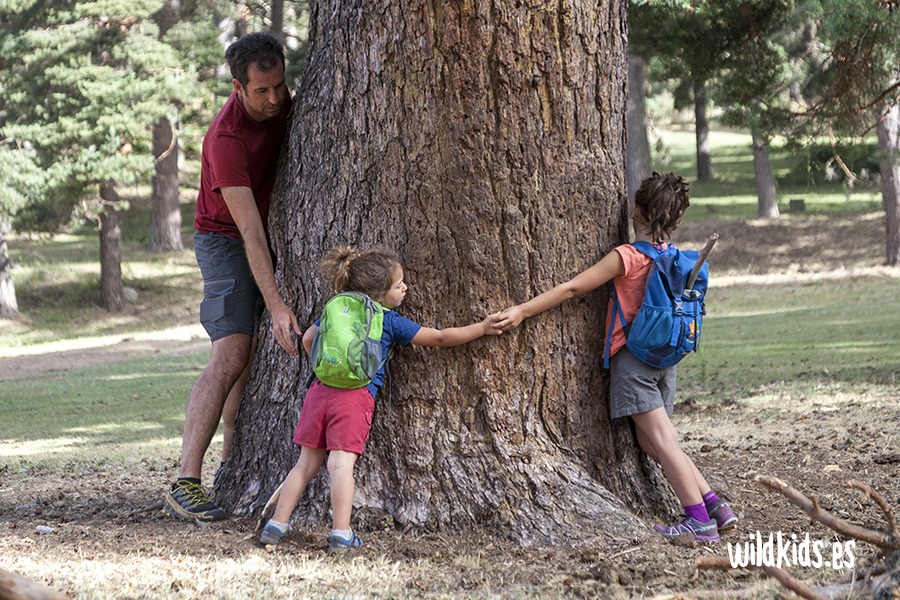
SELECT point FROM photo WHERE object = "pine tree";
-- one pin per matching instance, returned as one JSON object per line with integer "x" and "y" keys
{"x": 83, "y": 83}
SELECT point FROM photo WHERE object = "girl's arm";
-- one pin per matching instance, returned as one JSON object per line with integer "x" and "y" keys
{"x": 609, "y": 267}
{"x": 308, "y": 336}
{"x": 455, "y": 336}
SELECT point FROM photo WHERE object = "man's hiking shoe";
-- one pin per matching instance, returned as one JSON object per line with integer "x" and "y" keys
{"x": 722, "y": 513}
{"x": 271, "y": 535}
{"x": 702, "y": 532}
{"x": 338, "y": 544}
{"x": 188, "y": 501}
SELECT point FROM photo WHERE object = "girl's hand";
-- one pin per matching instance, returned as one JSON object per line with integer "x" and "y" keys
{"x": 490, "y": 325}
{"x": 510, "y": 318}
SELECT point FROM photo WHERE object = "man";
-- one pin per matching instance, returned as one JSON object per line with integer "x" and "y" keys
{"x": 239, "y": 160}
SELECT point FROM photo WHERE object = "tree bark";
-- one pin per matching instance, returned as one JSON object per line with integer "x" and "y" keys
{"x": 9, "y": 307}
{"x": 889, "y": 148}
{"x": 165, "y": 205}
{"x": 766, "y": 192}
{"x": 638, "y": 165}
{"x": 111, "y": 296}
{"x": 485, "y": 143}
{"x": 701, "y": 104}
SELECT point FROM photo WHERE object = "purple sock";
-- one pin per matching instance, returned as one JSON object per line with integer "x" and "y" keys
{"x": 698, "y": 511}
{"x": 709, "y": 497}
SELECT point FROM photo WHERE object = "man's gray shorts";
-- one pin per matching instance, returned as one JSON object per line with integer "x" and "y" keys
{"x": 636, "y": 387}
{"x": 231, "y": 301}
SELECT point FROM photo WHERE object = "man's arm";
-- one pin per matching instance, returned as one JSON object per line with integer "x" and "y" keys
{"x": 243, "y": 210}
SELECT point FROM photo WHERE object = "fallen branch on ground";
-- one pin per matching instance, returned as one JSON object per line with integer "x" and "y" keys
{"x": 16, "y": 587}
{"x": 881, "y": 539}
{"x": 783, "y": 577}
{"x": 877, "y": 578}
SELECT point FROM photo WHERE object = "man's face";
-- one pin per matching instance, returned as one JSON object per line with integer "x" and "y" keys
{"x": 264, "y": 93}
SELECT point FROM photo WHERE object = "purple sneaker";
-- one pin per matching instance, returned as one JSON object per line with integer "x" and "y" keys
{"x": 702, "y": 532}
{"x": 722, "y": 513}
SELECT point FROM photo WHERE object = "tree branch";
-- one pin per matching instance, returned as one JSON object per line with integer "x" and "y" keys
{"x": 811, "y": 507}
{"x": 784, "y": 578}
{"x": 870, "y": 492}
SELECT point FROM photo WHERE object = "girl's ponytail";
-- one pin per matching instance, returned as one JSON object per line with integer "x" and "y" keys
{"x": 347, "y": 269}
{"x": 335, "y": 267}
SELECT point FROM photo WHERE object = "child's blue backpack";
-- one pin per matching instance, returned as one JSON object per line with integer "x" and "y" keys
{"x": 669, "y": 322}
{"x": 346, "y": 352}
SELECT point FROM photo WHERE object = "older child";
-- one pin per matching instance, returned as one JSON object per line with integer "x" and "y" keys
{"x": 644, "y": 393}
{"x": 338, "y": 420}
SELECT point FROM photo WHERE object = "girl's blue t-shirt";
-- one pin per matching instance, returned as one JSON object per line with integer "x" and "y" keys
{"x": 397, "y": 330}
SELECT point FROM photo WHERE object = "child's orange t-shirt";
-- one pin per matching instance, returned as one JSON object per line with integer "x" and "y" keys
{"x": 629, "y": 290}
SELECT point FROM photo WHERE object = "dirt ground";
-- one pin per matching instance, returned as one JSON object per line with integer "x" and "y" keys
{"x": 815, "y": 441}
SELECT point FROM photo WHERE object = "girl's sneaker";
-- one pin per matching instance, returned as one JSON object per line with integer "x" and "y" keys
{"x": 722, "y": 513}
{"x": 271, "y": 535}
{"x": 702, "y": 532}
{"x": 339, "y": 544}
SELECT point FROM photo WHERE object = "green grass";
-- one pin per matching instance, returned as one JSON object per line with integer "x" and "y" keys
{"x": 108, "y": 410}
{"x": 793, "y": 334}
{"x": 732, "y": 193}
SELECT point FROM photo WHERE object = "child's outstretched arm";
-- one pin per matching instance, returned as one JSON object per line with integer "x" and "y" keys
{"x": 610, "y": 266}
{"x": 455, "y": 336}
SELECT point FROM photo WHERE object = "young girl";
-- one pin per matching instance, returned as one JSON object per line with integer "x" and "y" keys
{"x": 337, "y": 421}
{"x": 637, "y": 390}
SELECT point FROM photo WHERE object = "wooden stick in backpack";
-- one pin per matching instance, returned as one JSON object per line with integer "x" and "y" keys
{"x": 700, "y": 260}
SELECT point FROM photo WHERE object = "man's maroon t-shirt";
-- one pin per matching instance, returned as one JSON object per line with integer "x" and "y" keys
{"x": 237, "y": 152}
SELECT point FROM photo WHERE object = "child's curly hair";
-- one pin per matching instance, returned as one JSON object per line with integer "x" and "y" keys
{"x": 662, "y": 200}
{"x": 371, "y": 272}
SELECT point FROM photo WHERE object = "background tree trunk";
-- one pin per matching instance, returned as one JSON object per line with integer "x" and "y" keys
{"x": 701, "y": 120}
{"x": 9, "y": 307}
{"x": 765, "y": 180}
{"x": 889, "y": 147}
{"x": 638, "y": 165}
{"x": 165, "y": 205}
{"x": 165, "y": 226}
{"x": 485, "y": 142}
{"x": 276, "y": 17}
{"x": 111, "y": 296}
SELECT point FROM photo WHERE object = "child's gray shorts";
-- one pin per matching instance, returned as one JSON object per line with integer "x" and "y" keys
{"x": 636, "y": 387}
{"x": 231, "y": 301}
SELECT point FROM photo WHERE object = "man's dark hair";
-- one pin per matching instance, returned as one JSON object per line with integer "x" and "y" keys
{"x": 260, "y": 49}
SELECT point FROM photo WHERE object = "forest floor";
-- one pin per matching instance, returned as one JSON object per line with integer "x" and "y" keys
{"x": 109, "y": 540}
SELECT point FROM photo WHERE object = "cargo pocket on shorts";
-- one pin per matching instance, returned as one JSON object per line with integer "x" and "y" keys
{"x": 212, "y": 308}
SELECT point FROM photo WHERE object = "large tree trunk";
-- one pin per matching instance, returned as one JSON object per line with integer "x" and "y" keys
{"x": 111, "y": 296}
{"x": 485, "y": 142}
{"x": 889, "y": 147}
{"x": 165, "y": 207}
{"x": 637, "y": 164}
{"x": 765, "y": 180}
{"x": 9, "y": 307}
{"x": 701, "y": 125}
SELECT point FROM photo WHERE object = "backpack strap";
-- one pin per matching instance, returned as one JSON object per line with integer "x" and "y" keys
{"x": 617, "y": 312}
{"x": 651, "y": 252}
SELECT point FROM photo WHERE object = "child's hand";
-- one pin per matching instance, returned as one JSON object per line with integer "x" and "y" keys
{"x": 490, "y": 325}
{"x": 510, "y": 318}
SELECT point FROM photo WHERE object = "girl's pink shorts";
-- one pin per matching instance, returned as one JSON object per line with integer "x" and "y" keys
{"x": 335, "y": 419}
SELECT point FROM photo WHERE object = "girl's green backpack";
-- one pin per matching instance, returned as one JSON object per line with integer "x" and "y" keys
{"x": 346, "y": 352}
